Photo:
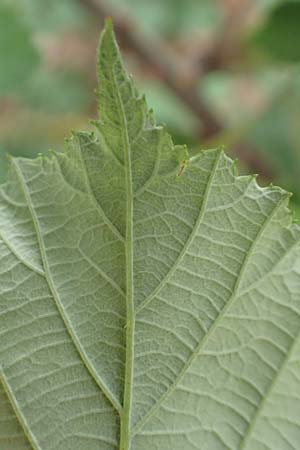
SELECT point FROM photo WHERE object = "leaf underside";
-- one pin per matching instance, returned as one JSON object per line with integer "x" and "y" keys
{"x": 146, "y": 302}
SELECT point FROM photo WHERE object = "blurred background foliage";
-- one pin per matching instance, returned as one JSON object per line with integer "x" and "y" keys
{"x": 217, "y": 72}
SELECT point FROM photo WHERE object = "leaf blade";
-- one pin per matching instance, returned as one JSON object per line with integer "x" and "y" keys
{"x": 11, "y": 434}
{"x": 166, "y": 294}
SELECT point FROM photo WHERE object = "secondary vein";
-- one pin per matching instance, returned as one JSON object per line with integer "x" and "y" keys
{"x": 106, "y": 391}
{"x": 210, "y": 332}
{"x": 12, "y": 249}
{"x": 107, "y": 221}
{"x": 188, "y": 242}
{"x": 21, "y": 419}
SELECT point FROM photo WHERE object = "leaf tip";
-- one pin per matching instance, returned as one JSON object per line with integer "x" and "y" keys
{"x": 109, "y": 23}
{"x": 108, "y": 34}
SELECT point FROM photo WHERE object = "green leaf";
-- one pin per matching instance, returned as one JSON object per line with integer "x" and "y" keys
{"x": 18, "y": 56}
{"x": 55, "y": 16}
{"x": 146, "y": 301}
{"x": 12, "y": 436}
{"x": 280, "y": 35}
{"x": 59, "y": 92}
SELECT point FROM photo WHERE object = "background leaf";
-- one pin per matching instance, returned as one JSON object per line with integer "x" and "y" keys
{"x": 280, "y": 34}
{"x": 18, "y": 56}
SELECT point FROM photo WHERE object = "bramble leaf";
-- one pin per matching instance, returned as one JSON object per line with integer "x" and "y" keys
{"x": 147, "y": 301}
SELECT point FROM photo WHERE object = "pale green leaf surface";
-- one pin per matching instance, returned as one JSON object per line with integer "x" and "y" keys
{"x": 11, "y": 434}
{"x": 144, "y": 304}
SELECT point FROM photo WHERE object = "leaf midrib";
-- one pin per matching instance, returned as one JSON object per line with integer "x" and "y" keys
{"x": 125, "y": 417}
